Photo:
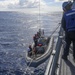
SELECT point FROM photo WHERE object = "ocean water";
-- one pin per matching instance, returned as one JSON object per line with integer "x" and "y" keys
{"x": 16, "y": 33}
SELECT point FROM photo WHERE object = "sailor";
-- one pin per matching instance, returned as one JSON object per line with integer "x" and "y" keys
{"x": 34, "y": 51}
{"x": 68, "y": 24}
{"x": 65, "y": 9}
{"x": 38, "y": 34}
{"x": 41, "y": 32}
{"x": 29, "y": 50}
{"x": 41, "y": 41}
{"x": 35, "y": 38}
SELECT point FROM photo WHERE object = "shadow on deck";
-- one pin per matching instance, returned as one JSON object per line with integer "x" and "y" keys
{"x": 68, "y": 67}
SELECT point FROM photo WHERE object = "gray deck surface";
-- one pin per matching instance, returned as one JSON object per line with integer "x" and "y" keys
{"x": 68, "y": 67}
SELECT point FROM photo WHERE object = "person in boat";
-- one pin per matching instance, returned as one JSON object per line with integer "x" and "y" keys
{"x": 29, "y": 50}
{"x": 35, "y": 38}
{"x": 41, "y": 44}
{"x": 42, "y": 41}
{"x": 68, "y": 24}
{"x": 38, "y": 34}
{"x": 41, "y": 32}
{"x": 34, "y": 51}
{"x": 40, "y": 49}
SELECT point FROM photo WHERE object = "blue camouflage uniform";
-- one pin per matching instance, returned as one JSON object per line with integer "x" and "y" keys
{"x": 68, "y": 24}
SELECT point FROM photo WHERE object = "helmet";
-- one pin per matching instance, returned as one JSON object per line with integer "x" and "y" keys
{"x": 73, "y": 5}
{"x": 66, "y": 3}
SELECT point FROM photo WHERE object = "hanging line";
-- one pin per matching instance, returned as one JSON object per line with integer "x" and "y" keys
{"x": 29, "y": 65}
{"x": 39, "y": 15}
{"x": 39, "y": 9}
{"x": 55, "y": 30}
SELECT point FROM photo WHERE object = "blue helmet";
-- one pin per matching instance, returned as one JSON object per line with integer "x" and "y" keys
{"x": 73, "y": 5}
{"x": 66, "y": 3}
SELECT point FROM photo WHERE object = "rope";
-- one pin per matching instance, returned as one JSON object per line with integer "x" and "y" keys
{"x": 29, "y": 65}
{"x": 39, "y": 12}
{"x": 55, "y": 30}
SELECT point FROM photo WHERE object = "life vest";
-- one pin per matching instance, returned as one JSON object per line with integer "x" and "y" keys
{"x": 39, "y": 44}
{"x": 70, "y": 20}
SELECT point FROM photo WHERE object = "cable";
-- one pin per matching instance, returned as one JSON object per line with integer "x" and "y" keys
{"x": 55, "y": 30}
{"x": 39, "y": 15}
{"x": 29, "y": 65}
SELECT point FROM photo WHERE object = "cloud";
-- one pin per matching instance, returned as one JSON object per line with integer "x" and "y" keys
{"x": 6, "y": 3}
{"x": 31, "y": 3}
{"x": 24, "y": 4}
{"x": 21, "y": 3}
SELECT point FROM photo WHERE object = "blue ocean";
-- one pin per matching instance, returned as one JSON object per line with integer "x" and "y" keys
{"x": 16, "y": 33}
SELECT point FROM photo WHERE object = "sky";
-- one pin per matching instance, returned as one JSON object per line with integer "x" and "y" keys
{"x": 45, "y": 5}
